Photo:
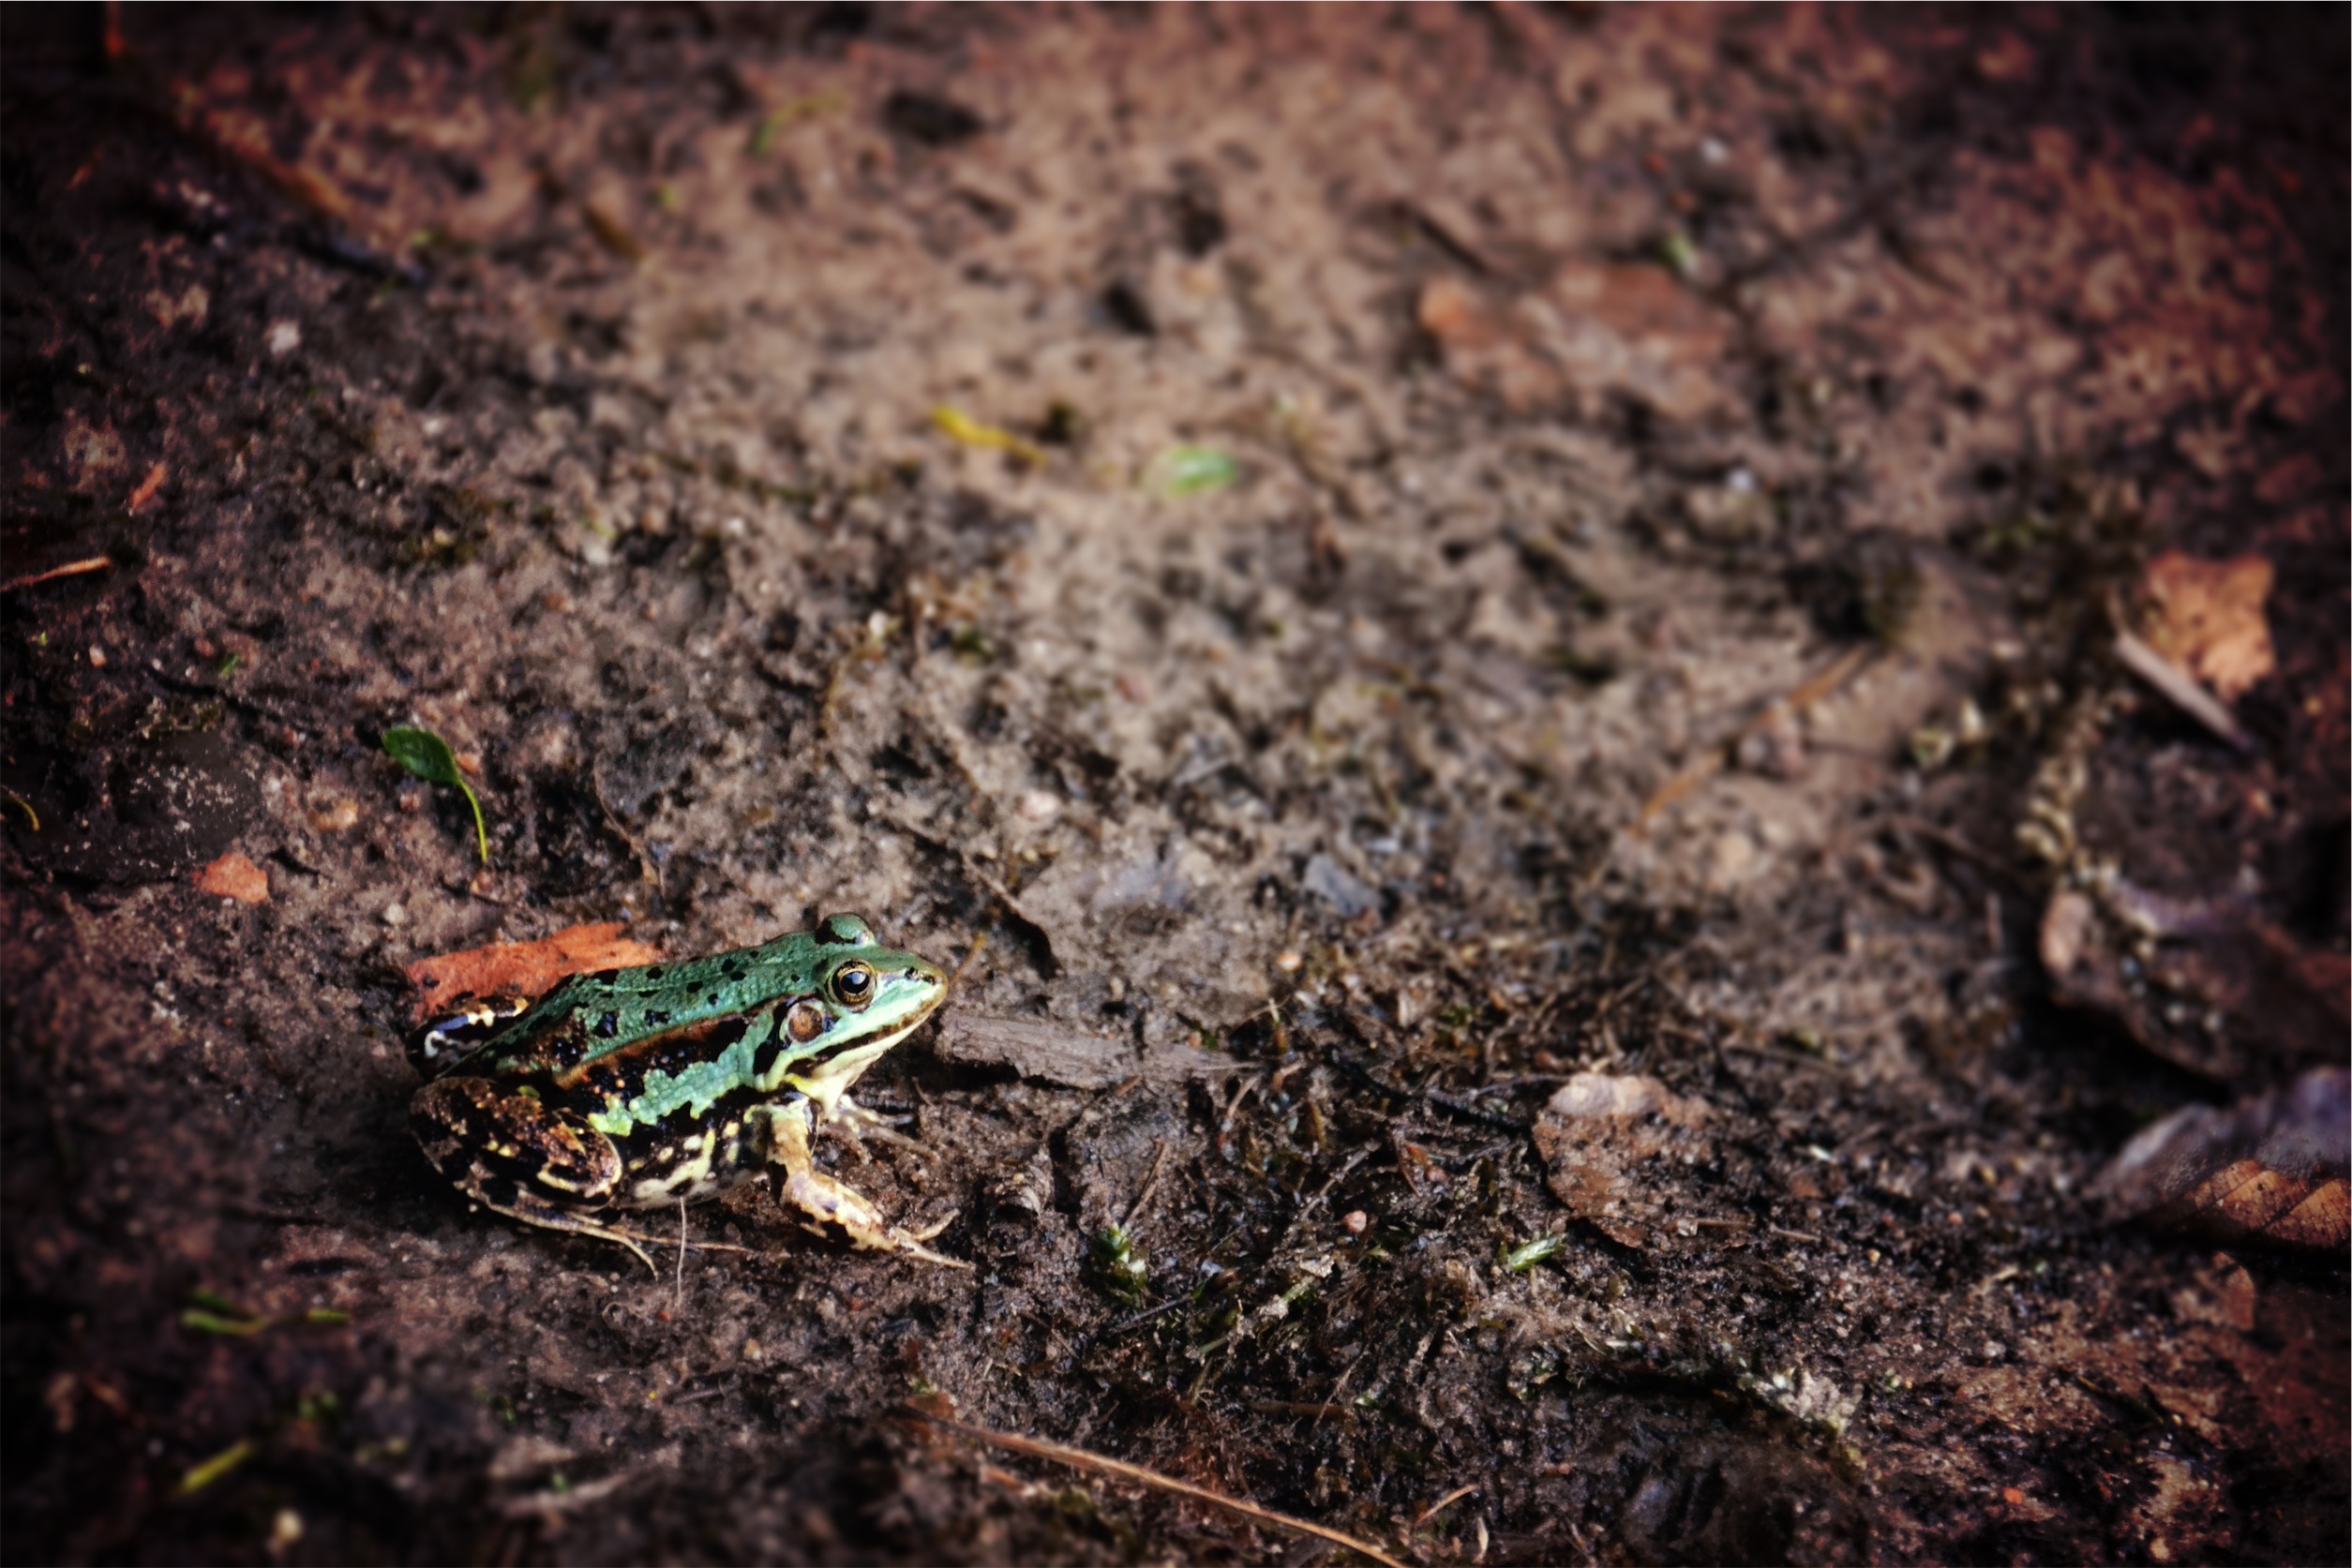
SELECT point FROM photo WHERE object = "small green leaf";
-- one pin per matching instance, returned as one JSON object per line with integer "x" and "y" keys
{"x": 1526, "y": 1255}
{"x": 423, "y": 754}
{"x": 428, "y": 756}
{"x": 1184, "y": 470}
{"x": 196, "y": 1318}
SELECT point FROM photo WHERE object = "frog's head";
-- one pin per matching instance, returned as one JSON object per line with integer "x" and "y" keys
{"x": 865, "y": 999}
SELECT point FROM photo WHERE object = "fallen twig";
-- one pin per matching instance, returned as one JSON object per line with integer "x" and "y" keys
{"x": 1714, "y": 759}
{"x": 1780, "y": 1053}
{"x": 70, "y": 569}
{"x": 1143, "y": 1194}
{"x": 1079, "y": 1458}
{"x": 1302, "y": 1407}
{"x": 2179, "y": 688}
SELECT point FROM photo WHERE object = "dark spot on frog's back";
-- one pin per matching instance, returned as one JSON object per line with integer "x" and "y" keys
{"x": 763, "y": 1060}
{"x": 655, "y": 1018}
{"x": 652, "y": 975}
{"x": 566, "y": 1046}
{"x": 608, "y": 1025}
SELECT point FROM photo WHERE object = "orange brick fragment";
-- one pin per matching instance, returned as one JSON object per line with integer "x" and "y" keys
{"x": 234, "y": 876}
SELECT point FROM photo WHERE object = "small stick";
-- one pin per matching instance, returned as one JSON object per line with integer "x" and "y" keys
{"x": 1796, "y": 1235}
{"x": 70, "y": 569}
{"x": 1714, "y": 758}
{"x": 1144, "y": 1317}
{"x": 1300, "y": 1407}
{"x": 1079, "y": 1458}
{"x": 979, "y": 940}
{"x": 1444, "y": 1502}
{"x": 2178, "y": 687}
{"x": 1775, "y": 1054}
{"x": 1340, "y": 1387}
{"x": 1224, "y": 1123}
{"x": 677, "y": 1290}
{"x": 1921, "y": 827}
{"x": 1143, "y": 1194}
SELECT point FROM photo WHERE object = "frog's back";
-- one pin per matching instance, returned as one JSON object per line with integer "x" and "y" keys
{"x": 595, "y": 1015}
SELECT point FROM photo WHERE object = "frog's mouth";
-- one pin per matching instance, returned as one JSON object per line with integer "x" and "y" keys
{"x": 832, "y": 1078}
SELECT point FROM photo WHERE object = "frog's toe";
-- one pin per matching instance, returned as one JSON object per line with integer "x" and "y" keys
{"x": 858, "y": 1123}
{"x": 908, "y": 1244}
{"x": 534, "y": 1210}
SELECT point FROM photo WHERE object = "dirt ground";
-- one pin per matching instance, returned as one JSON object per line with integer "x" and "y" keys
{"x": 1364, "y": 573}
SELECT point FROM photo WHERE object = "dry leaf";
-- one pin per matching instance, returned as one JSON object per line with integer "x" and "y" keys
{"x": 2270, "y": 1169}
{"x": 2206, "y": 616}
{"x": 234, "y": 876}
{"x": 2223, "y": 1293}
{"x": 1600, "y": 1139}
{"x": 523, "y": 968}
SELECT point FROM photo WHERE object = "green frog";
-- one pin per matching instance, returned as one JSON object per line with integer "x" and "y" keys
{"x": 644, "y": 1088}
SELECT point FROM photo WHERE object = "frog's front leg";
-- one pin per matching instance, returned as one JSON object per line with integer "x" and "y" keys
{"x": 515, "y": 1157}
{"x": 786, "y": 1133}
{"x": 857, "y": 1124}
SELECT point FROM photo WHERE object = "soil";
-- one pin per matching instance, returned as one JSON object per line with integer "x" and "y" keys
{"x": 1364, "y": 573}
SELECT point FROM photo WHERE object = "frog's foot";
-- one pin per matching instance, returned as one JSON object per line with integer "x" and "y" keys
{"x": 515, "y": 1157}
{"x": 832, "y": 1204}
{"x": 534, "y": 1210}
{"x": 857, "y": 1124}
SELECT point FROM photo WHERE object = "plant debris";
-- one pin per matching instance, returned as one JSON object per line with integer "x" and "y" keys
{"x": 2270, "y": 1169}
{"x": 428, "y": 756}
{"x": 1598, "y": 1138}
{"x": 523, "y": 968}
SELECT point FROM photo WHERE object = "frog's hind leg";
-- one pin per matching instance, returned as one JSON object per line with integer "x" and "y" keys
{"x": 515, "y": 1157}
{"x": 784, "y": 1132}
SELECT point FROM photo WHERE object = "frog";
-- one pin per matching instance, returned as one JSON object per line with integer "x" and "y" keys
{"x": 661, "y": 1085}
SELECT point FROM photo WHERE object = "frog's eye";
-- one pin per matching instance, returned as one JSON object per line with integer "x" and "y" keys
{"x": 844, "y": 931}
{"x": 853, "y": 984}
